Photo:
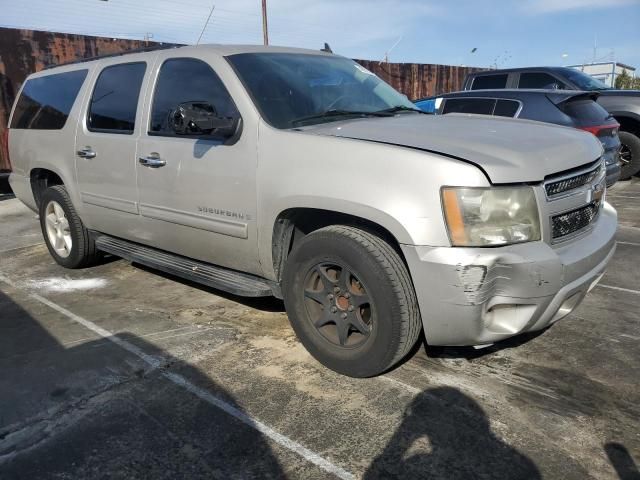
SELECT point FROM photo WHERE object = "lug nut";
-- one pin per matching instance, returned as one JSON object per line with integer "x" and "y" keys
{"x": 344, "y": 315}
{"x": 351, "y": 308}
{"x": 347, "y": 295}
{"x": 334, "y": 309}
{"x": 330, "y": 296}
{"x": 336, "y": 289}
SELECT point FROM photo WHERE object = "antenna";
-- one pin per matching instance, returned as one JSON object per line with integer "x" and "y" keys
{"x": 213, "y": 6}
{"x": 386, "y": 54}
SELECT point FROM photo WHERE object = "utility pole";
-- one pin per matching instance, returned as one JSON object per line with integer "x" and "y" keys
{"x": 265, "y": 30}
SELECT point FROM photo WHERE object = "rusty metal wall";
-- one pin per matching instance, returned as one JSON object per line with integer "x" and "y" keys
{"x": 419, "y": 80}
{"x": 23, "y": 52}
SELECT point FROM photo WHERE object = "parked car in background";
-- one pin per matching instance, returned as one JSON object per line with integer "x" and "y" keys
{"x": 624, "y": 105}
{"x": 568, "y": 108}
{"x": 280, "y": 171}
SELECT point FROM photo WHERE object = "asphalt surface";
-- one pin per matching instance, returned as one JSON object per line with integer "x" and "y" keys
{"x": 121, "y": 372}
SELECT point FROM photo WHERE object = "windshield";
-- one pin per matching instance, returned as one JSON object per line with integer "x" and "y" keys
{"x": 584, "y": 81}
{"x": 294, "y": 89}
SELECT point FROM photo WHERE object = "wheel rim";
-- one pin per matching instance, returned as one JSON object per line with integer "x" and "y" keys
{"x": 57, "y": 227}
{"x": 625, "y": 155}
{"x": 338, "y": 305}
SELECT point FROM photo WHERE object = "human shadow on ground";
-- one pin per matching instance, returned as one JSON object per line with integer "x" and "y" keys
{"x": 446, "y": 435}
{"x": 622, "y": 461}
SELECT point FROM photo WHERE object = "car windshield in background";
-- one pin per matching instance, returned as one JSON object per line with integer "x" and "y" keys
{"x": 584, "y": 81}
{"x": 293, "y": 90}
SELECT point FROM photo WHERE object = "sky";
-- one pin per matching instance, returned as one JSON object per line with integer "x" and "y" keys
{"x": 503, "y": 33}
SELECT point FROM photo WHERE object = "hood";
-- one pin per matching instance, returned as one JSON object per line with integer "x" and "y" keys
{"x": 507, "y": 150}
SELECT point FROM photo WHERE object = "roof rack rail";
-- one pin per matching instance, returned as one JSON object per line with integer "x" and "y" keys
{"x": 118, "y": 54}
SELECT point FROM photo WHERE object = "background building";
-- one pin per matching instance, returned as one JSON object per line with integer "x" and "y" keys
{"x": 606, "y": 72}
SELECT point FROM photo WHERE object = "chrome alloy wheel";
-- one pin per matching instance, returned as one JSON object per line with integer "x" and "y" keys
{"x": 58, "y": 230}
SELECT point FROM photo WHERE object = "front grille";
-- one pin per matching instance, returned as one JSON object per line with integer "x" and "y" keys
{"x": 573, "y": 221}
{"x": 577, "y": 181}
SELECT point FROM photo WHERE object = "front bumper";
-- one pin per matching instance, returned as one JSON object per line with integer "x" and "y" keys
{"x": 475, "y": 296}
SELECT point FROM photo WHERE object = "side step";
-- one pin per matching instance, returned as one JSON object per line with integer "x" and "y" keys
{"x": 238, "y": 283}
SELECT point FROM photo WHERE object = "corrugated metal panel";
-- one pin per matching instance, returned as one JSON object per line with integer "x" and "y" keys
{"x": 419, "y": 80}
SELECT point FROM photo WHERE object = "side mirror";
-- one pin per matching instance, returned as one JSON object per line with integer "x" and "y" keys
{"x": 201, "y": 118}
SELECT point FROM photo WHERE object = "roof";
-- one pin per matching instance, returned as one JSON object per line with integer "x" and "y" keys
{"x": 223, "y": 50}
{"x": 519, "y": 69}
{"x": 618, "y": 64}
{"x": 513, "y": 93}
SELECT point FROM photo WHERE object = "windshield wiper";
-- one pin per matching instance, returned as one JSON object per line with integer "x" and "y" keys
{"x": 403, "y": 108}
{"x": 342, "y": 113}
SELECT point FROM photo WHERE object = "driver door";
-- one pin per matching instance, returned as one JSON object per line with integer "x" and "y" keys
{"x": 197, "y": 192}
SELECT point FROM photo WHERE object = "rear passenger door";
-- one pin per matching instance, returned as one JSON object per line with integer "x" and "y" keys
{"x": 105, "y": 149}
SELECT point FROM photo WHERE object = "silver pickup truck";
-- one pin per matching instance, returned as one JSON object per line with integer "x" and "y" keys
{"x": 300, "y": 174}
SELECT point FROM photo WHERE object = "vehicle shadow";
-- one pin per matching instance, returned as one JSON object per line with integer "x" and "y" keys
{"x": 446, "y": 435}
{"x": 90, "y": 408}
{"x": 622, "y": 461}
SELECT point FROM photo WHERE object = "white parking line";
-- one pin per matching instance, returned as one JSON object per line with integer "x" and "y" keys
{"x": 620, "y": 289}
{"x": 179, "y": 380}
{"x": 628, "y": 243}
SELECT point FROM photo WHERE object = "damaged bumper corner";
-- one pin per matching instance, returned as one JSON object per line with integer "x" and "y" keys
{"x": 474, "y": 296}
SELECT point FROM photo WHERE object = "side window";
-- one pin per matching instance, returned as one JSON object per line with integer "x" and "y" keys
{"x": 187, "y": 80}
{"x": 115, "y": 98}
{"x": 46, "y": 101}
{"x": 506, "y": 108}
{"x": 539, "y": 80}
{"x": 484, "y": 82}
{"x": 481, "y": 106}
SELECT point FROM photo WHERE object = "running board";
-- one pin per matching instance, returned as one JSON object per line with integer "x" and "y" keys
{"x": 238, "y": 283}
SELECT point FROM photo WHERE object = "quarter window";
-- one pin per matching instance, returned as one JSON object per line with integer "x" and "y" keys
{"x": 485, "y": 82}
{"x": 115, "y": 98}
{"x": 481, "y": 106}
{"x": 45, "y": 102}
{"x": 506, "y": 108}
{"x": 187, "y": 80}
{"x": 539, "y": 80}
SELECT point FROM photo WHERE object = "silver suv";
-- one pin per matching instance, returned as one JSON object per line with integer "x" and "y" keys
{"x": 274, "y": 171}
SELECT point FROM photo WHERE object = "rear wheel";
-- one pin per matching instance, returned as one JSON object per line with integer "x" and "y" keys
{"x": 67, "y": 239}
{"x": 629, "y": 155}
{"x": 350, "y": 300}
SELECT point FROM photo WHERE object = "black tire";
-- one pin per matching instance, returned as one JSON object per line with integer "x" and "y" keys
{"x": 83, "y": 251}
{"x": 390, "y": 318}
{"x": 629, "y": 155}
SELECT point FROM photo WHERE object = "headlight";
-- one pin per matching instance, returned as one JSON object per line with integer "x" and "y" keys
{"x": 480, "y": 217}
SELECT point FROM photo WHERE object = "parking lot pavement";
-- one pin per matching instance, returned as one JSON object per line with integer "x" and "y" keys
{"x": 119, "y": 371}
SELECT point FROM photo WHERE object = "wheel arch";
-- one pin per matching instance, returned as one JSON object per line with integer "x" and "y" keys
{"x": 293, "y": 224}
{"x": 629, "y": 122}
{"x": 41, "y": 179}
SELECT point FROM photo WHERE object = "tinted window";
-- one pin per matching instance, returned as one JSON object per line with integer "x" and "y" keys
{"x": 506, "y": 108}
{"x": 490, "y": 81}
{"x": 482, "y": 106}
{"x": 187, "y": 80}
{"x": 539, "y": 80}
{"x": 115, "y": 98}
{"x": 586, "y": 112}
{"x": 584, "y": 81}
{"x": 45, "y": 102}
{"x": 293, "y": 89}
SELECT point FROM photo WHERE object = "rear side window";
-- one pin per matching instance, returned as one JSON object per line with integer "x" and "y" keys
{"x": 115, "y": 98}
{"x": 484, "y": 82}
{"x": 186, "y": 80}
{"x": 506, "y": 108}
{"x": 585, "y": 112}
{"x": 539, "y": 80}
{"x": 46, "y": 101}
{"x": 481, "y": 106}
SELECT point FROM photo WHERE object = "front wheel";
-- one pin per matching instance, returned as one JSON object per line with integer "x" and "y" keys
{"x": 351, "y": 301}
{"x": 67, "y": 239}
{"x": 629, "y": 154}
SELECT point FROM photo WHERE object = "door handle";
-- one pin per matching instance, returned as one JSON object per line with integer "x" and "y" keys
{"x": 153, "y": 160}
{"x": 86, "y": 152}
